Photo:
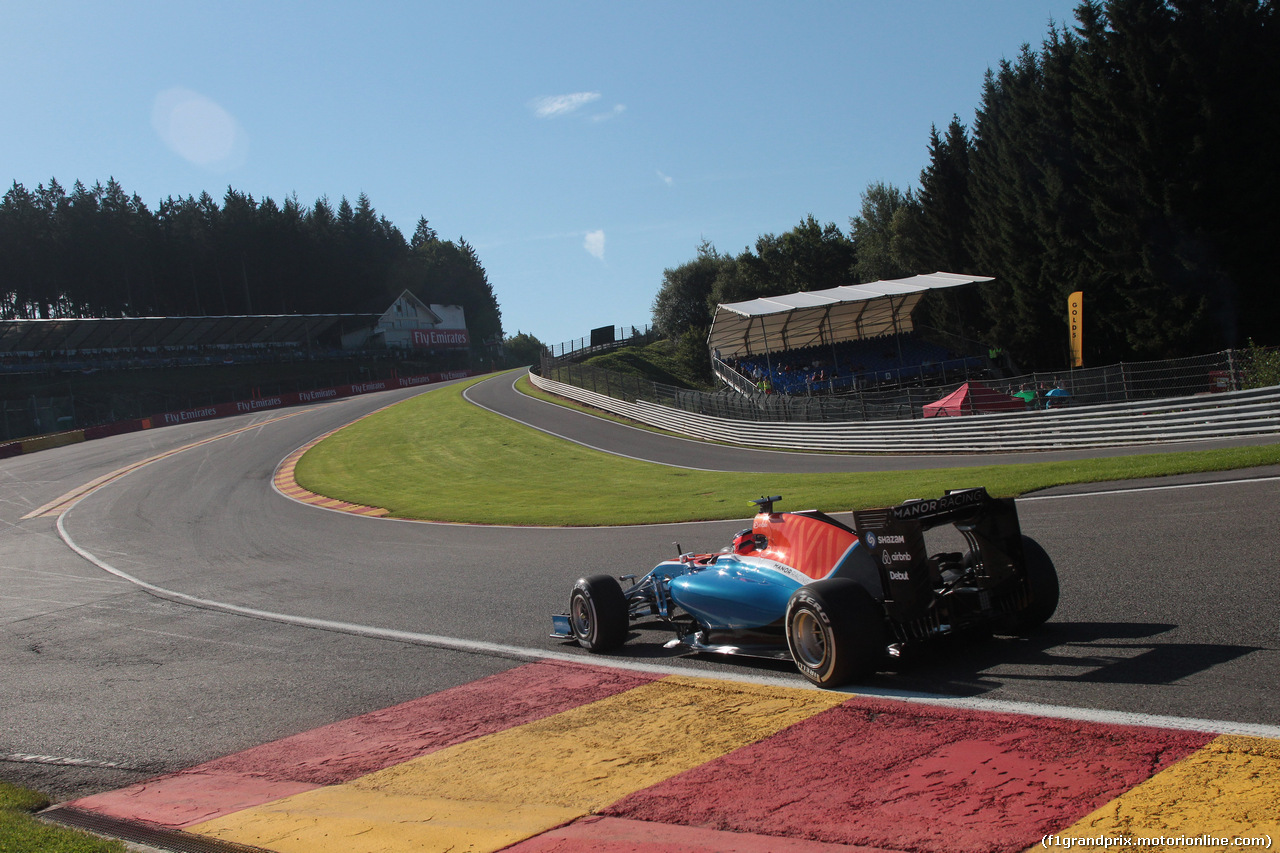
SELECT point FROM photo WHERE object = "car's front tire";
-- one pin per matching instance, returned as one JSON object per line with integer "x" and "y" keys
{"x": 598, "y": 613}
{"x": 835, "y": 631}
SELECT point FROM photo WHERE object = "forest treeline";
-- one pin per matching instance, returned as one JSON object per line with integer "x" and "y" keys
{"x": 1131, "y": 157}
{"x": 100, "y": 252}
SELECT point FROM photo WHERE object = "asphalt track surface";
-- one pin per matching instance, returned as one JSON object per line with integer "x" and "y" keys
{"x": 1169, "y": 603}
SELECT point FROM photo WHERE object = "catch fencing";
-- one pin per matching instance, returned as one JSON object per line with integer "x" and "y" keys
{"x": 1214, "y": 373}
{"x": 36, "y": 416}
{"x": 623, "y": 336}
{"x": 1110, "y": 406}
{"x": 1204, "y": 417}
{"x": 220, "y": 410}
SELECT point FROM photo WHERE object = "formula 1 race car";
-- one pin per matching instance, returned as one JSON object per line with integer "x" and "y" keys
{"x": 838, "y": 601}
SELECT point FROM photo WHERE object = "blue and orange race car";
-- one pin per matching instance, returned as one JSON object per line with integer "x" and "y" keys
{"x": 837, "y": 600}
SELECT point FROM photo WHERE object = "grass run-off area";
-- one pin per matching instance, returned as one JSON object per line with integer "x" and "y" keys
{"x": 21, "y": 832}
{"x": 437, "y": 457}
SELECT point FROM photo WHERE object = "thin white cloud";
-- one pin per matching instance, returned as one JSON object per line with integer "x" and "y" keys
{"x": 594, "y": 244}
{"x": 666, "y": 179}
{"x": 198, "y": 129}
{"x": 552, "y": 106}
{"x": 618, "y": 109}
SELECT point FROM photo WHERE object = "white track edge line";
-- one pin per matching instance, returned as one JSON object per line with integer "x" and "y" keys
{"x": 525, "y": 653}
{"x": 1168, "y": 487}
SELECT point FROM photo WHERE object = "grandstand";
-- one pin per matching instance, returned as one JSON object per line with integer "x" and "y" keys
{"x": 63, "y": 373}
{"x": 885, "y": 362}
{"x": 841, "y": 340}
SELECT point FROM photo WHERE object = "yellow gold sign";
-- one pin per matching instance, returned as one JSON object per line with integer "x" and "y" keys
{"x": 1075, "y": 314}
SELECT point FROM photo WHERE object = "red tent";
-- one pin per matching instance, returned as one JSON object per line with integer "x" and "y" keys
{"x": 971, "y": 399}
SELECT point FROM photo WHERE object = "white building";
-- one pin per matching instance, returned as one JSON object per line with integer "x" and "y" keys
{"x": 410, "y": 323}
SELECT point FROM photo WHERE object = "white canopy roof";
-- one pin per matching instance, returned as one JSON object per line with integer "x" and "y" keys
{"x": 812, "y": 317}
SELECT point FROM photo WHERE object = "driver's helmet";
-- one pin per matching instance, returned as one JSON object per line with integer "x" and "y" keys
{"x": 744, "y": 542}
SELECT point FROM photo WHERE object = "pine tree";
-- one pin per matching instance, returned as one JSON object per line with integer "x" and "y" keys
{"x": 946, "y": 219}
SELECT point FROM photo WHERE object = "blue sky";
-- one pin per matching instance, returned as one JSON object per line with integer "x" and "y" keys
{"x": 581, "y": 148}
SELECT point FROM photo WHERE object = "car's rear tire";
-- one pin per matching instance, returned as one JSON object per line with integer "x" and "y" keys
{"x": 1042, "y": 578}
{"x": 598, "y": 613}
{"x": 835, "y": 631}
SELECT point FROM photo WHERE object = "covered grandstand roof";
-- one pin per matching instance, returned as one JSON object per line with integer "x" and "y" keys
{"x": 814, "y": 317}
{"x": 169, "y": 332}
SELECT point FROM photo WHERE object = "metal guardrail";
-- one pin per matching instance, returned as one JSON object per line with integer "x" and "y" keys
{"x": 1229, "y": 370}
{"x": 1188, "y": 418}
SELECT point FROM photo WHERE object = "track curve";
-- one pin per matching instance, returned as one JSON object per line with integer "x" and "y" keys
{"x": 1167, "y": 603}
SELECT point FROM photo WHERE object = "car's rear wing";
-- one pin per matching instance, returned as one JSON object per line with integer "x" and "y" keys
{"x": 955, "y": 506}
{"x": 894, "y": 538}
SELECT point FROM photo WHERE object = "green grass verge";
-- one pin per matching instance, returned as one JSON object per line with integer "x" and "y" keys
{"x": 657, "y": 362}
{"x": 437, "y": 457}
{"x": 20, "y": 832}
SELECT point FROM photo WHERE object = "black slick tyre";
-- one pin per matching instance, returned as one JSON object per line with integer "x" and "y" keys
{"x": 835, "y": 632}
{"x": 598, "y": 613}
{"x": 1042, "y": 578}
